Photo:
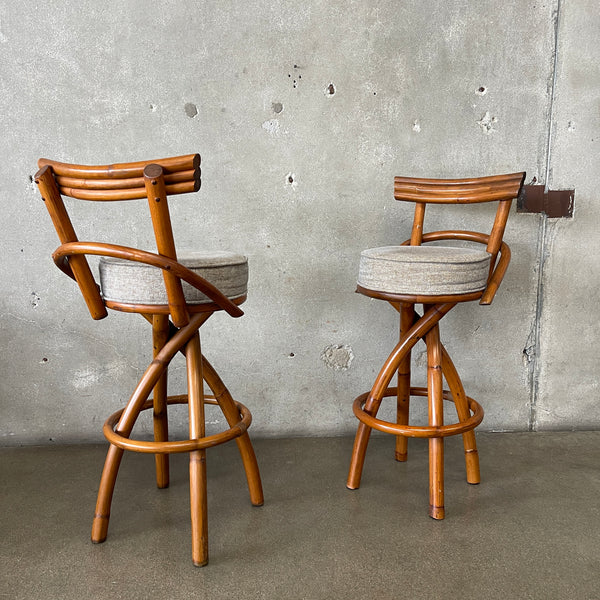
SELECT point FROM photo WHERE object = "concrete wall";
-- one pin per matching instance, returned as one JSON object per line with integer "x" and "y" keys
{"x": 303, "y": 113}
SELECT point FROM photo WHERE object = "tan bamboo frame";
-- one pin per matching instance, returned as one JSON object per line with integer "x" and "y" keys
{"x": 414, "y": 327}
{"x": 154, "y": 180}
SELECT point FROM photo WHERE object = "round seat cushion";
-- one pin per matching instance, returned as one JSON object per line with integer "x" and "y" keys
{"x": 424, "y": 270}
{"x": 131, "y": 282}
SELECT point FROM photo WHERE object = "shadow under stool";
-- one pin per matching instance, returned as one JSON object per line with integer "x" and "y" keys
{"x": 438, "y": 276}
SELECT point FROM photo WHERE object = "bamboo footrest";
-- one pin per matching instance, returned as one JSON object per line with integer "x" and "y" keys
{"x": 425, "y": 431}
{"x": 172, "y": 447}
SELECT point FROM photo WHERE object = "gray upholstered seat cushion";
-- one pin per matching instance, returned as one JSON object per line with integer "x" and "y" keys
{"x": 424, "y": 270}
{"x": 137, "y": 283}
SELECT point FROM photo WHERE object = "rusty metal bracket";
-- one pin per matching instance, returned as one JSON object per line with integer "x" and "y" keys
{"x": 554, "y": 203}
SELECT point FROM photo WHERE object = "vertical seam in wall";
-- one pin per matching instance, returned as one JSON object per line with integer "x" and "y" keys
{"x": 534, "y": 374}
{"x": 552, "y": 93}
{"x": 534, "y": 371}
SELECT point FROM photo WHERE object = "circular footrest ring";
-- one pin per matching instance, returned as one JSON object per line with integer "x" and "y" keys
{"x": 425, "y": 431}
{"x": 181, "y": 445}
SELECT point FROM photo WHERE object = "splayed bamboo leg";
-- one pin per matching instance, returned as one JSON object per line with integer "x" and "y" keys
{"x": 160, "y": 336}
{"x": 359, "y": 451}
{"x": 413, "y": 335}
{"x": 436, "y": 418}
{"x": 198, "y": 495}
{"x": 462, "y": 409}
{"x": 403, "y": 397}
{"x": 131, "y": 412}
{"x": 105, "y": 494}
{"x": 232, "y": 415}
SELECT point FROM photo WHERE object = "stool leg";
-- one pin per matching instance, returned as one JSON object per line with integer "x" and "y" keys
{"x": 424, "y": 324}
{"x": 462, "y": 409}
{"x": 105, "y": 494}
{"x": 129, "y": 415}
{"x": 407, "y": 315}
{"x": 436, "y": 418}
{"x": 359, "y": 451}
{"x": 198, "y": 495}
{"x": 232, "y": 415}
{"x": 160, "y": 336}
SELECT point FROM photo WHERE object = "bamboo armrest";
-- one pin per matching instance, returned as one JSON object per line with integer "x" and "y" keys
{"x": 62, "y": 253}
{"x": 497, "y": 275}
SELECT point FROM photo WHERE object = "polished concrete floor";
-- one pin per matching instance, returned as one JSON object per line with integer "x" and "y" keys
{"x": 530, "y": 530}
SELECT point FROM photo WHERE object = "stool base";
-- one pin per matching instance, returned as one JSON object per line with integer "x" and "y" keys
{"x": 119, "y": 426}
{"x": 439, "y": 365}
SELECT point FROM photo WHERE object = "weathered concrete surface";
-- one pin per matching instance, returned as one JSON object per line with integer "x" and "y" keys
{"x": 568, "y": 375}
{"x": 296, "y": 177}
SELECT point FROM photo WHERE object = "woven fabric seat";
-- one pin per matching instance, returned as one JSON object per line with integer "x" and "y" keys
{"x": 131, "y": 282}
{"x": 424, "y": 270}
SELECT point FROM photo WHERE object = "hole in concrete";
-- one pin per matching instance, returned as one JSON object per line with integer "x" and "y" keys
{"x": 277, "y": 107}
{"x": 290, "y": 181}
{"x": 330, "y": 90}
{"x": 191, "y": 110}
{"x": 482, "y": 91}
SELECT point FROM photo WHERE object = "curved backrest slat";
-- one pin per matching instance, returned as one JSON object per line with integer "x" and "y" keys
{"x": 130, "y": 182}
{"x": 458, "y": 191}
{"x": 108, "y": 195}
{"x": 123, "y": 181}
{"x": 173, "y": 164}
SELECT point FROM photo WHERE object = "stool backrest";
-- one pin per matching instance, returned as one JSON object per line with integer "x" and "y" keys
{"x": 151, "y": 179}
{"x": 497, "y": 188}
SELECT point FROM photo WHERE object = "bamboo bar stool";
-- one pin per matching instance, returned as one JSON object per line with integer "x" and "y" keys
{"x": 176, "y": 293}
{"x": 438, "y": 277}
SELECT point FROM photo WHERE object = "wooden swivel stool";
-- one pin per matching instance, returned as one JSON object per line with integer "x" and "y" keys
{"x": 439, "y": 277}
{"x": 176, "y": 294}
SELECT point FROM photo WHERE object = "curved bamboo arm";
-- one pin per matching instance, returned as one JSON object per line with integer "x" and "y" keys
{"x": 499, "y": 266}
{"x": 62, "y": 253}
{"x": 467, "y": 236}
{"x": 497, "y": 275}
